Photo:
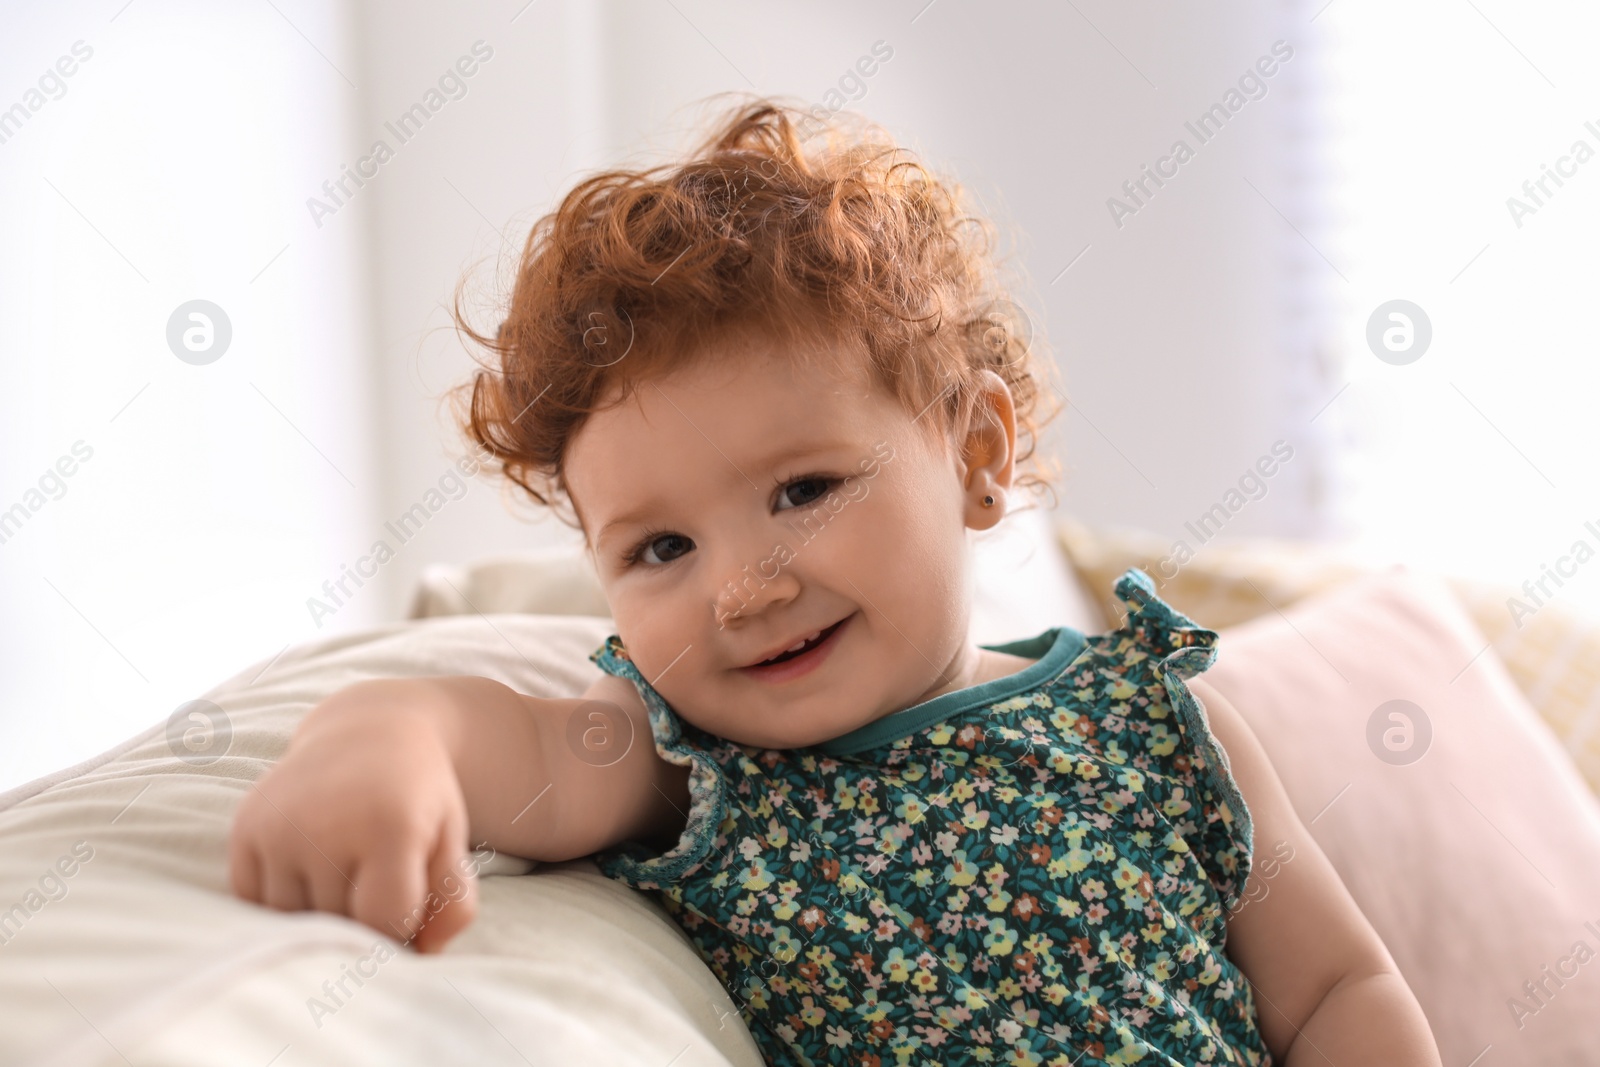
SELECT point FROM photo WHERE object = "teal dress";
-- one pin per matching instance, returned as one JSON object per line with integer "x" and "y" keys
{"x": 1034, "y": 870}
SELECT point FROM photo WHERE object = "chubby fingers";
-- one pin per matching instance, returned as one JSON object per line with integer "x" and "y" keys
{"x": 271, "y": 861}
{"x": 390, "y": 890}
{"x": 327, "y": 886}
{"x": 452, "y": 890}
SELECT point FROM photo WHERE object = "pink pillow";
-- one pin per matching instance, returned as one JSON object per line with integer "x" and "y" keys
{"x": 1456, "y": 820}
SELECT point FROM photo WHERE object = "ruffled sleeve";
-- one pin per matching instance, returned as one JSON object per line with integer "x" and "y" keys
{"x": 633, "y": 862}
{"x": 1176, "y": 648}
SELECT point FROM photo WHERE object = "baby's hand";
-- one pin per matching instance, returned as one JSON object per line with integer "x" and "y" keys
{"x": 363, "y": 816}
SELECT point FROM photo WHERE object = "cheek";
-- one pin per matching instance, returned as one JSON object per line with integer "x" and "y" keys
{"x": 654, "y": 623}
{"x": 906, "y": 551}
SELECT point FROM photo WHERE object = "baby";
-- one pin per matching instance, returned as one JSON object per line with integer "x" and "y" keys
{"x": 776, "y": 387}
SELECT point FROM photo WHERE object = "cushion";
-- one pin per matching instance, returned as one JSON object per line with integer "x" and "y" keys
{"x": 1460, "y": 827}
{"x": 122, "y": 940}
{"x": 1552, "y": 654}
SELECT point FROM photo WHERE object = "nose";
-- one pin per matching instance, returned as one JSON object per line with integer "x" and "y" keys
{"x": 750, "y": 585}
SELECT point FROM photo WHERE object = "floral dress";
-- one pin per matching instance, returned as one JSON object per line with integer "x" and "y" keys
{"x": 1034, "y": 870}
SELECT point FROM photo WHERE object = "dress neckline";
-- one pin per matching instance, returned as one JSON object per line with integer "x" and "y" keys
{"x": 1053, "y": 650}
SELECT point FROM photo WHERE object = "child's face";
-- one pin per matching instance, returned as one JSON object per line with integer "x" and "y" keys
{"x": 765, "y": 504}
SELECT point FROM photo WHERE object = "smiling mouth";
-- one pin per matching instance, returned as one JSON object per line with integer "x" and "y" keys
{"x": 802, "y": 647}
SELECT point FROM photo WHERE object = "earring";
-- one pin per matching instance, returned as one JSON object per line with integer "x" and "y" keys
{"x": 988, "y": 501}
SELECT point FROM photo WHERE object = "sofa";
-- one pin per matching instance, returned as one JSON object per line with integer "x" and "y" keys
{"x": 1467, "y": 829}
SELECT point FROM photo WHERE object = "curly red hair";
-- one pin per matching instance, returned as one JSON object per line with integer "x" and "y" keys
{"x": 852, "y": 240}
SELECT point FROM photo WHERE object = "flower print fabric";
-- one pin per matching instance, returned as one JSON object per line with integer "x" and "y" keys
{"x": 1034, "y": 870}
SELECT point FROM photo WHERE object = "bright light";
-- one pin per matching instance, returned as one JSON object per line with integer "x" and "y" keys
{"x": 1478, "y": 458}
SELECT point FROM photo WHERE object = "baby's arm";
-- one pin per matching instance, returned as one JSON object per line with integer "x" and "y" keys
{"x": 370, "y": 811}
{"x": 1326, "y": 988}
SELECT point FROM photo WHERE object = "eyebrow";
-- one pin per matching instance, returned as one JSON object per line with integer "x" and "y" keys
{"x": 787, "y": 453}
{"x": 627, "y": 518}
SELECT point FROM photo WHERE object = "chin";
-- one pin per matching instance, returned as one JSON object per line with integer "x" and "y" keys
{"x": 814, "y": 733}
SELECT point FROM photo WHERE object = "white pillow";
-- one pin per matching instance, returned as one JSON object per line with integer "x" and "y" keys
{"x": 141, "y": 954}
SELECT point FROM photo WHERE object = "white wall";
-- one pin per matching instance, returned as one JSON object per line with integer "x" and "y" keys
{"x": 456, "y": 202}
{"x": 173, "y": 167}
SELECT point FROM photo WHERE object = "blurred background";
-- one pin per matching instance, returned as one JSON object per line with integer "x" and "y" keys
{"x": 223, "y": 374}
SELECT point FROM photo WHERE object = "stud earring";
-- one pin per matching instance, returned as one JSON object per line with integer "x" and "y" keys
{"x": 988, "y": 501}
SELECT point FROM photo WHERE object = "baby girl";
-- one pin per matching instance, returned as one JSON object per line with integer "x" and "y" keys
{"x": 775, "y": 386}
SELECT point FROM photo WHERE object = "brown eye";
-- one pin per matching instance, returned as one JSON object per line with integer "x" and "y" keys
{"x": 803, "y": 491}
{"x": 665, "y": 549}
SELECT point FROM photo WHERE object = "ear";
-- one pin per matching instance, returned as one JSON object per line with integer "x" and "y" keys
{"x": 989, "y": 452}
